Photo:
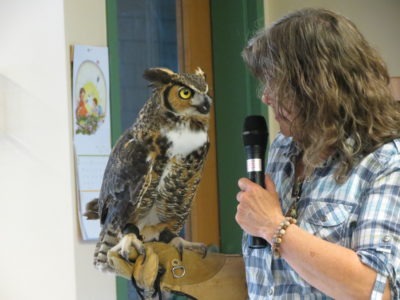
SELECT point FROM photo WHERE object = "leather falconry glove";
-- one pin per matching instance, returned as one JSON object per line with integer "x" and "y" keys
{"x": 216, "y": 276}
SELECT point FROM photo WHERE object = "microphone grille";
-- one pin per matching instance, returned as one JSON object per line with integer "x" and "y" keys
{"x": 255, "y": 131}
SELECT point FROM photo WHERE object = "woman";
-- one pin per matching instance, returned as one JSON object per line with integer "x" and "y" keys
{"x": 331, "y": 208}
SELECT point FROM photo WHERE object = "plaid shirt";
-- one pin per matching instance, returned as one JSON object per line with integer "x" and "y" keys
{"x": 362, "y": 214}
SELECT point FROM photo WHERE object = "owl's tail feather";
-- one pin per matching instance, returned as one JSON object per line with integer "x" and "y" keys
{"x": 92, "y": 210}
{"x": 109, "y": 237}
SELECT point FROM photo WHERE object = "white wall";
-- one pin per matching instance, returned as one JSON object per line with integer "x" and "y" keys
{"x": 36, "y": 229}
{"x": 85, "y": 24}
{"x": 379, "y": 21}
{"x": 41, "y": 255}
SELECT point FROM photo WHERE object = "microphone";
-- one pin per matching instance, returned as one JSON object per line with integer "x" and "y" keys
{"x": 255, "y": 135}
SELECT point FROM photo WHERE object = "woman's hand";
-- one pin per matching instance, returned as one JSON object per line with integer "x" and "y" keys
{"x": 259, "y": 211}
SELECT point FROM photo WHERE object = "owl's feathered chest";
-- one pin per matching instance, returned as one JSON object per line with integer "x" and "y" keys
{"x": 176, "y": 153}
{"x": 176, "y": 156}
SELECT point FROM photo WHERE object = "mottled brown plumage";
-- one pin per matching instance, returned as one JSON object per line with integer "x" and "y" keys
{"x": 155, "y": 167}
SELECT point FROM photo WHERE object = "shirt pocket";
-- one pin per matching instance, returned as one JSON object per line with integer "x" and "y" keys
{"x": 327, "y": 220}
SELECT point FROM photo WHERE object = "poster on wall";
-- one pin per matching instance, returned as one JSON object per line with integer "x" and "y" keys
{"x": 91, "y": 126}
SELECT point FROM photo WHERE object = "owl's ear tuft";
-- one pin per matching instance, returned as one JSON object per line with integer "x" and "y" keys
{"x": 161, "y": 75}
{"x": 200, "y": 72}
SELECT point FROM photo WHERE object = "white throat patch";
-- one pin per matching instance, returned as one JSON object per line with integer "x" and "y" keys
{"x": 184, "y": 141}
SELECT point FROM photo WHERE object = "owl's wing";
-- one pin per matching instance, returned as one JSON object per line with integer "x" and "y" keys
{"x": 124, "y": 179}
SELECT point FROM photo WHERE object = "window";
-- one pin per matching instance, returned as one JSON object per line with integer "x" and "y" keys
{"x": 146, "y": 38}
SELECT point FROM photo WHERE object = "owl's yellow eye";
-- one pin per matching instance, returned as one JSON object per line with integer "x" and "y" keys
{"x": 185, "y": 93}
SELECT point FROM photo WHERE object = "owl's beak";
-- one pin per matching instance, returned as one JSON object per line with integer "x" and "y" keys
{"x": 204, "y": 107}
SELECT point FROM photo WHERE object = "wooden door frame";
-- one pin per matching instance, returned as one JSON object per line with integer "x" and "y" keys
{"x": 195, "y": 50}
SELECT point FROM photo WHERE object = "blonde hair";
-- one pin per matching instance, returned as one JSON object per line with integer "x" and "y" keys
{"x": 316, "y": 64}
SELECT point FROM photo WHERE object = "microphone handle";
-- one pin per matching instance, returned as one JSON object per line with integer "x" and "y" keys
{"x": 257, "y": 177}
{"x": 256, "y": 242}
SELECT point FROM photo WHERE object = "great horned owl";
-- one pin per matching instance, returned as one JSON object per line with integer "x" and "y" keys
{"x": 154, "y": 168}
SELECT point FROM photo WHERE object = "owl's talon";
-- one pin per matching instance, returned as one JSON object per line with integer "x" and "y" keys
{"x": 142, "y": 252}
{"x": 180, "y": 244}
{"x": 130, "y": 247}
{"x": 204, "y": 250}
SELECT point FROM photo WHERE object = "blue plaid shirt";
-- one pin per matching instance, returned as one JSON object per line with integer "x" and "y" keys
{"x": 362, "y": 214}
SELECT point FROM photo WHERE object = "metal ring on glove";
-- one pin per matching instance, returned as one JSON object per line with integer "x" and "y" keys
{"x": 178, "y": 271}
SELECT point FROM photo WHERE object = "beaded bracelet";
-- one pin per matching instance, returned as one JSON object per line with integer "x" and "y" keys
{"x": 280, "y": 232}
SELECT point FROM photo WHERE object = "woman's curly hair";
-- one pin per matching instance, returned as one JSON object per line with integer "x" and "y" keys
{"x": 316, "y": 64}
